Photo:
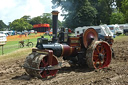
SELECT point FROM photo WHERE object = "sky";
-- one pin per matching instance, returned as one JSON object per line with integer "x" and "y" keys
{"x": 15, "y": 9}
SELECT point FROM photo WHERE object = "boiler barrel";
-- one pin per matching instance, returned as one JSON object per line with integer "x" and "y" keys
{"x": 60, "y": 50}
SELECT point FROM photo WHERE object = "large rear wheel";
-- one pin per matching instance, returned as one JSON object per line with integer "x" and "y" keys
{"x": 98, "y": 55}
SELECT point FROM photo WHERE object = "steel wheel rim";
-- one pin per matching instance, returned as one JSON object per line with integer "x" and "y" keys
{"x": 101, "y": 55}
{"x": 44, "y": 63}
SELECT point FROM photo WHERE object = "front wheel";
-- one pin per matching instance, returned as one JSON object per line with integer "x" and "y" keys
{"x": 39, "y": 61}
{"x": 30, "y": 44}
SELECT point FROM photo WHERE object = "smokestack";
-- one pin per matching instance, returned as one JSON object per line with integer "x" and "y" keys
{"x": 54, "y": 25}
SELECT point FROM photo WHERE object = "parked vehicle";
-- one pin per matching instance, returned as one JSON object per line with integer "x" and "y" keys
{"x": 7, "y": 33}
{"x": 31, "y": 31}
{"x": 115, "y": 29}
{"x": 124, "y": 27}
{"x": 18, "y": 33}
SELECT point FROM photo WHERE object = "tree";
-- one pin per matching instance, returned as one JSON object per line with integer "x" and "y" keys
{"x": 79, "y": 12}
{"x": 2, "y": 25}
{"x": 86, "y": 15}
{"x": 47, "y": 18}
{"x": 20, "y": 25}
{"x": 125, "y": 9}
{"x": 36, "y": 20}
{"x": 105, "y": 9}
{"x": 117, "y": 18}
{"x": 119, "y": 4}
{"x": 26, "y": 18}
{"x": 44, "y": 18}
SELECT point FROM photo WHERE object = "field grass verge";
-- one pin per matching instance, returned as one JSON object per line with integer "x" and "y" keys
{"x": 121, "y": 38}
{"x": 16, "y": 54}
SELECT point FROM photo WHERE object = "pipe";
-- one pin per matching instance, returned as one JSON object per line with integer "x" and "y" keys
{"x": 54, "y": 26}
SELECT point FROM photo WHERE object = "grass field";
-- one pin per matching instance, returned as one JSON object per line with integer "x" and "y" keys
{"x": 13, "y": 44}
{"x": 120, "y": 38}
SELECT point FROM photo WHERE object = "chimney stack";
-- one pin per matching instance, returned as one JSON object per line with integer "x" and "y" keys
{"x": 55, "y": 25}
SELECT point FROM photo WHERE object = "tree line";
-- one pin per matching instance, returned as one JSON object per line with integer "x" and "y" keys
{"x": 93, "y": 12}
{"x": 26, "y": 22}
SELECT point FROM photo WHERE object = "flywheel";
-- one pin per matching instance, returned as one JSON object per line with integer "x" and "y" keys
{"x": 98, "y": 55}
{"x": 36, "y": 61}
{"x": 89, "y": 35}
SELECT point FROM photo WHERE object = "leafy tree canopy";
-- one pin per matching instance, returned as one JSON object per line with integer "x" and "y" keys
{"x": 117, "y": 18}
{"x": 80, "y": 12}
{"x": 119, "y": 4}
{"x": 85, "y": 12}
{"x": 20, "y": 25}
{"x": 26, "y": 18}
{"x": 44, "y": 18}
{"x": 36, "y": 20}
{"x": 125, "y": 9}
{"x": 2, "y": 25}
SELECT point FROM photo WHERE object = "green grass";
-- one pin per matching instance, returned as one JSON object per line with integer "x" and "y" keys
{"x": 12, "y": 46}
{"x": 12, "y": 50}
{"x": 16, "y": 54}
{"x": 120, "y": 38}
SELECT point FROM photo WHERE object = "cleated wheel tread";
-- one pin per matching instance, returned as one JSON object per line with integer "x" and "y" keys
{"x": 38, "y": 61}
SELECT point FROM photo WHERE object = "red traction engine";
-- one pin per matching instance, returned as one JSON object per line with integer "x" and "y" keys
{"x": 79, "y": 51}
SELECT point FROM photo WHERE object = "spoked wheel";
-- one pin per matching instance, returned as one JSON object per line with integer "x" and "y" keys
{"x": 30, "y": 44}
{"x": 39, "y": 61}
{"x": 98, "y": 55}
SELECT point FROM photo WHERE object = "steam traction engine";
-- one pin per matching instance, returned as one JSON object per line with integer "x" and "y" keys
{"x": 85, "y": 49}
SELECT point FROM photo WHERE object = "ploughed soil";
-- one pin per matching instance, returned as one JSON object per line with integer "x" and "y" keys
{"x": 11, "y": 72}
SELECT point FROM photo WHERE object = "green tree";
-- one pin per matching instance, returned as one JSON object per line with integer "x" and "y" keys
{"x": 119, "y": 4}
{"x": 44, "y": 18}
{"x": 117, "y": 18}
{"x": 79, "y": 12}
{"x": 2, "y": 25}
{"x": 20, "y": 25}
{"x": 105, "y": 9}
{"x": 125, "y": 9}
{"x": 26, "y": 18}
{"x": 47, "y": 18}
{"x": 36, "y": 20}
